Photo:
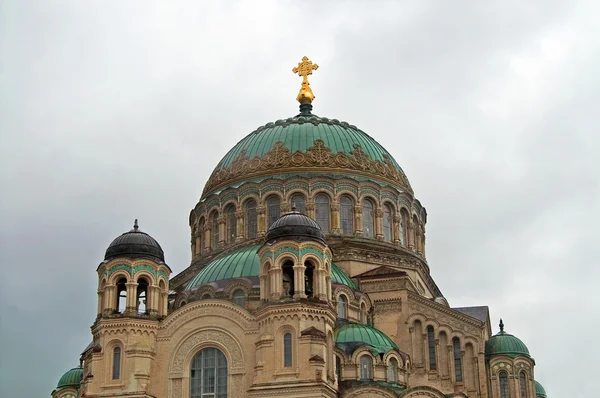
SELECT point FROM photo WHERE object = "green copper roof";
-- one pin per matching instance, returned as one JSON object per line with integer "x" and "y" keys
{"x": 71, "y": 379}
{"x": 242, "y": 263}
{"x": 300, "y": 133}
{"x": 539, "y": 390}
{"x": 503, "y": 343}
{"x": 353, "y": 335}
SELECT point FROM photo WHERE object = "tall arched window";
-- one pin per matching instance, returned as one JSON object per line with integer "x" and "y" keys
{"x": 116, "y": 363}
{"x": 457, "y": 359}
{"x": 367, "y": 218}
{"x": 231, "y": 221}
{"x": 322, "y": 211}
{"x": 338, "y": 368}
{"x": 346, "y": 215}
{"x": 504, "y": 391}
{"x": 297, "y": 201}
{"x": 523, "y": 384}
{"x": 431, "y": 347}
{"x": 342, "y": 306}
{"x": 239, "y": 297}
{"x": 393, "y": 370}
{"x": 287, "y": 350}
{"x": 365, "y": 367}
{"x": 214, "y": 221}
{"x": 121, "y": 295}
{"x": 403, "y": 227}
{"x": 273, "y": 209}
{"x": 142, "y": 296}
{"x": 250, "y": 219}
{"x": 363, "y": 313}
{"x": 387, "y": 223}
{"x": 208, "y": 374}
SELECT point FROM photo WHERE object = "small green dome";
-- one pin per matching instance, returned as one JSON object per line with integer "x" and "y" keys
{"x": 503, "y": 343}
{"x": 243, "y": 262}
{"x": 353, "y": 335}
{"x": 71, "y": 379}
{"x": 539, "y": 390}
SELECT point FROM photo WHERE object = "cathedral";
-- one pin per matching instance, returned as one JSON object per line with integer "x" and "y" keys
{"x": 308, "y": 278}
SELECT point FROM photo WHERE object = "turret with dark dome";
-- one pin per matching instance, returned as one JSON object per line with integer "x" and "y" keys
{"x": 295, "y": 225}
{"x": 135, "y": 244}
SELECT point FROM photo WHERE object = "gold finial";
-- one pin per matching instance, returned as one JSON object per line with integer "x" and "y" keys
{"x": 305, "y": 68}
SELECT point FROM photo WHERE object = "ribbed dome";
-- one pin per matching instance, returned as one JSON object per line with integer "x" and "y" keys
{"x": 135, "y": 244}
{"x": 71, "y": 379}
{"x": 353, "y": 335}
{"x": 503, "y": 343}
{"x": 295, "y": 225}
{"x": 539, "y": 390}
{"x": 306, "y": 143}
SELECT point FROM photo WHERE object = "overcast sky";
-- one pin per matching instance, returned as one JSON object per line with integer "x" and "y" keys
{"x": 115, "y": 110}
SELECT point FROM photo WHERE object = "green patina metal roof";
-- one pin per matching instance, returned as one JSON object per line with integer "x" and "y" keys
{"x": 353, "y": 335}
{"x": 300, "y": 133}
{"x": 243, "y": 262}
{"x": 503, "y": 343}
{"x": 71, "y": 379}
{"x": 539, "y": 390}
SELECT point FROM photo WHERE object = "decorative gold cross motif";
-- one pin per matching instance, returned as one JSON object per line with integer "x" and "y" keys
{"x": 305, "y": 68}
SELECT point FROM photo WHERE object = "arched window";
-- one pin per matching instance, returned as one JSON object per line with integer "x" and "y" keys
{"x": 116, "y": 363}
{"x": 322, "y": 211}
{"x": 365, "y": 367}
{"x": 342, "y": 306}
{"x": 200, "y": 238}
{"x": 142, "y": 296}
{"x": 393, "y": 370}
{"x": 363, "y": 313}
{"x": 208, "y": 374}
{"x": 387, "y": 223}
{"x": 273, "y": 209}
{"x": 457, "y": 359}
{"x": 231, "y": 221}
{"x": 287, "y": 271}
{"x": 403, "y": 226}
{"x": 367, "y": 218}
{"x": 215, "y": 231}
{"x": 250, "y": 219}
{"x": 308, "y": 278}
{"x": 523, "y": 384}
{"x": 431, "y": 346}
{"x": 338, "y": 368}
{"x": 121, "y": 295}
{"x": 298, "y": 202}
{"x": 287, "y": 350}
{"x": 415, "y": 232}
{"x": 346, "y": 215}
{"x": 239, "y": 297}
{"x": 504, "y": 392}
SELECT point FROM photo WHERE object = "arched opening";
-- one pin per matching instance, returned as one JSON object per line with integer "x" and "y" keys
{"x": 116, "y": 363}
{"x": 366, "y": 363}
{"x": 523, "y": 384}
{"x": 121, "y": 295}
{"x": 403, "y": 226}
{"x": 288, "y": 278}
{"x": 273, "y": 209}
{"x": 457, "y": 359}
{"x": 206, "y": 296}
{"x": 200, "y": 237}
{"x": 346, "y": 215}
{"x": 367, "y": 218}
{"x": 322, "y": 212}
{"x": 415, "y": 232}
{"x": 231, "y": 223}
{"x": 250, "y": 219}
{"x": 418, "y": 340}
{"x": 431, "y": 348}
{"x": 342, "y": 307}
{"x": 504, "y": 390}
{"x": 239, "y": 297}
{"x": 308, "y": 278}
{"x": 298, "y": 202}
{"x": 387, "y": 223}
{"x": 363, "y": 313}
{"x": 338, "y": 368}
{"x": 142, "y": 296}
{"x": 208, "y": 374}
{"x": 287, "y": 350}
{"x": 214, "y": 226}
{"x": 393, "y": 370}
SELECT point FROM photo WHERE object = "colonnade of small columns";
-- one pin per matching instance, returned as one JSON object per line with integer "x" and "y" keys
{"x": 156, "y": 298}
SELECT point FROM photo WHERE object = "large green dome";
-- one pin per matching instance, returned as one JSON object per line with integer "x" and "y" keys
{"x": 71, "y": 379}
{"x": 306, "y": 143}
{"x": 503, "y": 343}
{"x": 353, "y": 335}
{"x": 539, "y": 390}
{"x": 243, "y": 262}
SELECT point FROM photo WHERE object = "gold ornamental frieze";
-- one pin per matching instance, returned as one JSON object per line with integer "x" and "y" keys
{"x": 279, "y": 159}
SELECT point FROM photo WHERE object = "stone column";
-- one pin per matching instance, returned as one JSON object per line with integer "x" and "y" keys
{"x": 131, "y": 301}
{"x": 299, "y": 281}
{"x": 100, "y": 301}
{"x": 358, "y": 220}
{"x": 222, "y": 232}
{"x": 411, "y": 236}
{"x": 378, "y": 215}
{"x": 154, "y": 292}
{"x": 207, "y": 238}
{"x": 310, "y": 208}
{"x": 109, "y": 301}
{"x": 335, "y": 218}
{"x": 261, "y": 212}
{"x": 264, "y": 282}
{"x": 239, "y": 216}
{"x": 396, "y": 229}
{"x": 198, "y": 245}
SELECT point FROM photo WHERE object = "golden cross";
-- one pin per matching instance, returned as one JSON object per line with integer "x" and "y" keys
{"x": 305, "y": 68}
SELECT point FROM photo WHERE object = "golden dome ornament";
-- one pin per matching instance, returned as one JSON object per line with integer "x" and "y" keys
{"x": 305, "y": 68}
